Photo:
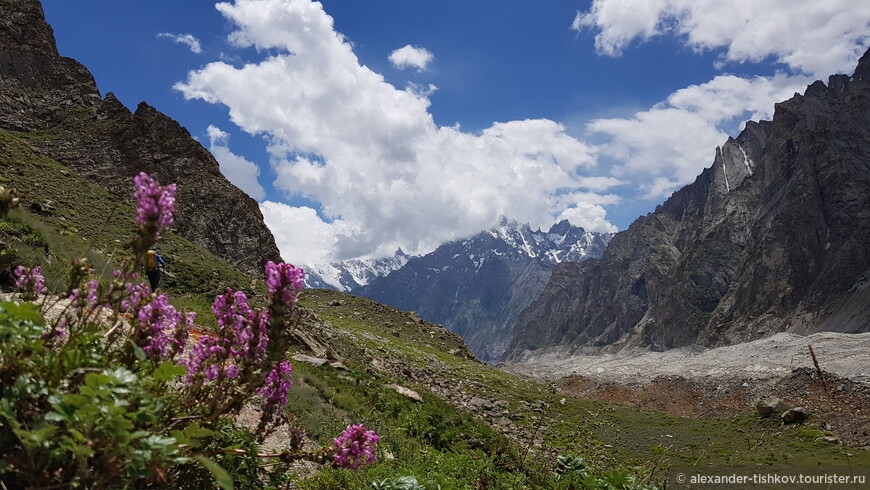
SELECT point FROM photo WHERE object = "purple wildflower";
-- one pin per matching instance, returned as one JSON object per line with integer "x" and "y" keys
{"x": 161, "y": 327}
{"x": 355, "y": 447}
{"x": 277, "y": 384}
{"x": 211, "y": 372}
{"x": 284, "y": 281}
{"x": 247, "y": 327}
{"x": 139, "y": 293}
{"x": 30, "y": 281}
{"x": 197, "y": 357}
{"x": 91, "y": 298}
{"x": 241, "y": 338}
{"x": 58, "y": 335}
{"x": 85, "y": 297}
{"x": 155, "y": 204}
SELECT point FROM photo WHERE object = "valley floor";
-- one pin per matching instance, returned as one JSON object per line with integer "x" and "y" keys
{"x": 728, "y": 380}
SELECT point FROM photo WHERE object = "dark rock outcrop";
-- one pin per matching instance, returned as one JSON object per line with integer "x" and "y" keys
{"x": 774, "y": 236}
{"x": 476, "y": 287}
{"x": 56, "y": 101}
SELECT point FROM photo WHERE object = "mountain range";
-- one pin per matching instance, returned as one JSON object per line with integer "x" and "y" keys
{"x": 773, "y": 237}
{"x": 477, "y": 286}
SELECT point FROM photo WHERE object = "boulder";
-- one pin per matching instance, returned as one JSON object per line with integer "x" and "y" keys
{"x": 406, "y": 392}
{"x": 314, "y": 361}
{"x": 338, "y": 365}
{"x": 794, "y": 415}
{"x": 769, "y": 406}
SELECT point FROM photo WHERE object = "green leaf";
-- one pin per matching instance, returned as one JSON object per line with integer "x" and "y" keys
{"x": 25, "y": 311}
{"x": 37, "y": 437}
{"x": 140, "y": 353}
{"x": 191, "y": 434}
{"x": 168, "y": 370}
{"x": 140, "y": 434}
{"x": 221, "y": 477}
{"x": 54, "y": 417}
{"x": 95, "y": 380}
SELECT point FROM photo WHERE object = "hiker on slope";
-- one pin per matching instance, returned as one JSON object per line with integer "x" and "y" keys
{"x": 153, "y": 266}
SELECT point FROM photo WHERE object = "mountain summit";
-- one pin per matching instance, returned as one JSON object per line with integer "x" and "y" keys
{"x": 477, "y": 286}
{"x": 773, "y": 237}
{"x": 350, "y": 274}
{"x": 55, "y": 103}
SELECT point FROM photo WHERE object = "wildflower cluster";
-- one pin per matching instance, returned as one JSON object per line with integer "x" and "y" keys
{"x": 355, "y": 447}
{"x": 277, "y": 384}
{"x": 30, "y": 281}
{"x": 85, "y": 296}
{"x": 116, "y": 348}
{"x": 162, "y": 330}
{"x": 284, "y": 282}
{"x": 240, "y": 342}
{"x": 137, "y": 293}
{"x": 155, "y": 205}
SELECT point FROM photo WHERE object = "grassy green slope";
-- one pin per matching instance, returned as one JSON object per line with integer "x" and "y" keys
{"x": 79, "y": 219}
{"x": 534, "y": 417}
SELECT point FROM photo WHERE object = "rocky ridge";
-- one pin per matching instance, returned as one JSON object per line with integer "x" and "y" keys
{"x": 54, "y": 101}
{"x": 773, "y": 237}
{"x": 476, "y": 287}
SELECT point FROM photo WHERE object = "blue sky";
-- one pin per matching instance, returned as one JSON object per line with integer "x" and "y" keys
{"x": 364, "y": 126}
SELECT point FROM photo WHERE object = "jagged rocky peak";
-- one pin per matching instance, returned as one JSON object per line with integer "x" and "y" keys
{"x": 773, "y": 237}
{"x": 32, "y": 70}
{"x": 560, "y": 228}
{"x": 862, "y": 72}
{"x": 40, "y": 89}
{"x": 564, "y": 242}
{"x": 25, "y": 27}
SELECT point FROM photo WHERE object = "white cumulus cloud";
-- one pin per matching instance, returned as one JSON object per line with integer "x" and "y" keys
{"x": 187, "y": 39}
{"x": 384, "y": 173}
{"x": 240, "y": 171}
{"x": 666, "y": 146}
{"x": 301, "y": 236}
{"x": 589, "y": 216}
{"x": 812, "y": 37}
{"x": 411, "y": 57}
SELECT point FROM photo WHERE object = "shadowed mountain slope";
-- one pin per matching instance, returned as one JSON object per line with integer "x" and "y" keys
{"x": 773, "y": 237}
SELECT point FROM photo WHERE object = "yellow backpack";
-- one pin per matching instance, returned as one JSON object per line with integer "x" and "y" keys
{"x": 151, "y": 260}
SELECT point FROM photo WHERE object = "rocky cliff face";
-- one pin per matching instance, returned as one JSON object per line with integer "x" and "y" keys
{"x": 477, "y": 287}
{"x": 55, "y": 101}
{"x": 774, "y": 236}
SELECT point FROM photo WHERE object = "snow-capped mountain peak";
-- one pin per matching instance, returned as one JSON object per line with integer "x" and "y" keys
{"x": 563, "y": 242}
{"x": 350, "y": 274}
{"x": 476, "y": 286}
